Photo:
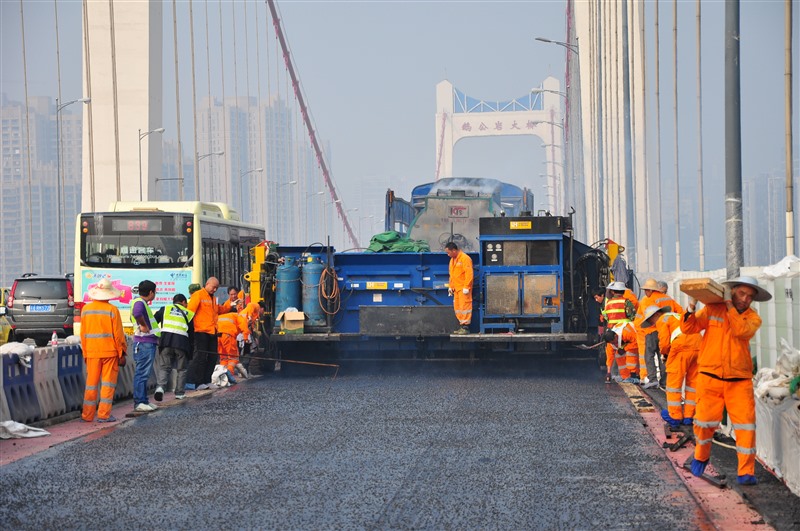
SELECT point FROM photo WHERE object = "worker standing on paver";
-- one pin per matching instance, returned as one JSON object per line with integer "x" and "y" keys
{"x": 104, "y": 347}
{"x": 460, "y": 286}
{"x": 725, "y": 379}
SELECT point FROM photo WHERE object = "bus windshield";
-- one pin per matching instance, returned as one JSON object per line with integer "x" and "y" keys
{"x": 132, "y": 249}
{"x": 122, "y": 240}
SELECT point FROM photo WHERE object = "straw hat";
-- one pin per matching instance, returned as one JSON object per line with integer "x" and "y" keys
{"x": 650, "y": 312}
{"x": 650, "y": 283}
{"x": 104, "y": 291}
{"x": 762, "y": 295}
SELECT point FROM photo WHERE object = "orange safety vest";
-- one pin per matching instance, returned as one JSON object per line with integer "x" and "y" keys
{"x": 206, "y": 310}
{"x": 666, "y": 300}
{"x": 671, "y": 339}
{"x": 101, "y": 331}
{"x": 615, "y": 312}
{"x": 725, "y": 350}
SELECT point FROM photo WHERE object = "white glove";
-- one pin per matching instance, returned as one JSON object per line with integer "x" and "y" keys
{"x": 692, "y": 304}
{"x": 449, "y": 292}
{"x": 465, "y": 291}
{"x": 726, "y": 295}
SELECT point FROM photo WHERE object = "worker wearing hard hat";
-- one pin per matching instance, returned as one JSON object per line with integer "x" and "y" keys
{"x": 680, "y": 351}
{"x": 726, "y": 371}
{"x": 651, "y": 293}
{"x": 460, "y": 286}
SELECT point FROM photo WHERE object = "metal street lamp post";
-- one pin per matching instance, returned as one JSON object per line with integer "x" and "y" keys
{"x": 141, "y": 136}
{"x": 62, "y": 252}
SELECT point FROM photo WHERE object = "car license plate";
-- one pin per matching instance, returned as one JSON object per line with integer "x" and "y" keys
{"x": 40, "y": 308}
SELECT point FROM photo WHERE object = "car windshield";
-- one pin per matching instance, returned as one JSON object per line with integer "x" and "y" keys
{"x": 41, "y": 289}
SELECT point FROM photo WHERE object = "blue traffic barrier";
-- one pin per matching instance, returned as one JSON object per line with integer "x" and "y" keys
{"x": 5, "y": 414}
{"x": 19, "y": 390}
{"x": 71, "y": 376}
{"x": 45, "y": 380}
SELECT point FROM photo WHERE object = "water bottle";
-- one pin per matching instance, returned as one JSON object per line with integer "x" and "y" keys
{"x": 54, "y": 339}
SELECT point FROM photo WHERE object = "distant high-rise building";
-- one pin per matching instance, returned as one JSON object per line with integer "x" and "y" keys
{"x": 32, "y": 239}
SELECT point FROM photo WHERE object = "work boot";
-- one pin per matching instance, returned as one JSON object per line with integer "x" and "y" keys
{"x": 462, "y": 331}
{"x": 669, "y": 420}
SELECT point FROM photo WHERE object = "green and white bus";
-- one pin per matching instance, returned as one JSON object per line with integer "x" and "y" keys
{"x": 172, "y": 243}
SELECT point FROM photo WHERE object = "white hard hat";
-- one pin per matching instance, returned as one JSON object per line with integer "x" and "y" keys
{"x": 617, "y": 286}
{"x": 650, "y": 312}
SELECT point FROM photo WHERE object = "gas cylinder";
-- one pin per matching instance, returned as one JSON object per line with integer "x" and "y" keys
{"x": 287, "y": 287}
{"x": 312, "y": 273}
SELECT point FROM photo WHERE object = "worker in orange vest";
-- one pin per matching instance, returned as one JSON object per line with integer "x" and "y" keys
{"x": 104, "y": 347}
{"x": 665, "y": 300}
{"x": 725, "y": 379}
{"x": 621, "y": 346}
{"x": 460, "y": 286}
{"x": 230, "y": 325}
{"x": 204, "y": 305}
{"x": 680, "y": 351}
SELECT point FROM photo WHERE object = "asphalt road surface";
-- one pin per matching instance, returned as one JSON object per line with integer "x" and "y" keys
{"x": 537, "y": 445}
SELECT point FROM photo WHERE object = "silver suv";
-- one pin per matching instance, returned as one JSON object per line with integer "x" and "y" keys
{"x": 39, "y": 305}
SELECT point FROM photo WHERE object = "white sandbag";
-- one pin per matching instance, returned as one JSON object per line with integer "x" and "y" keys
{"x": 21, "y": 349}
{"x": 10, "y": 429}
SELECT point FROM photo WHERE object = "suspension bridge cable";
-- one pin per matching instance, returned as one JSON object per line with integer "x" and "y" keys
{"x": 208, "y": 130}
{"x": 27, "y": 132}
{"x": 659, "y": 220}
{"x": 116, "y": 102}
{"x": 88, "y": 71}
{"x": 60, "y": 174}
{"x": 677, "y": 204}
{"x": 177, "y": 98}
{"x": 194, "y": 108}
{"x": 251, "y": 188}
{"x": 235, "y": 136}
{"x": 269, "y": 224}
{"x": 224, "y": 105}
{"x": 260, "y": 195}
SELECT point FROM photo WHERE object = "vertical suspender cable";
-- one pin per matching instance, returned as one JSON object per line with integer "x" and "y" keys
{"x": 659, "y": 221}
{"x": 60, "y": 225}
{"x": 87, "y": 64}
{"x": 598, "y": 146}
{"x": 116, "y": 104}
{"x": 675, "y": 132}
{"x": 733, "y": 142}
{"x": 252, "y": 190}
{"x": 235, "y": 133}
{"x": 260, "y": 200}
{"x": 27, "y": 135}
{"x": 645, "y": 178}
{"x": 224, "y": 105}
{"x": 787, "y": 88}
{"x": 177, "y": 95}
{"x": 194, "y": 108}
{"x": 270, "y": 198}
{"x": 210, "y": 160}
{"x": 630, "y": 224}
{"x": 618, "y": 181}
{"x": 700, "y": 217}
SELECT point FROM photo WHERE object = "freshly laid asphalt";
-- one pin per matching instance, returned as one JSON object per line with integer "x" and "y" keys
{"x": 536, "y": 444}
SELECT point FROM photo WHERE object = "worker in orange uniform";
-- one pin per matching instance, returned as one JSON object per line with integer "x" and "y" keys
{"x": 664, "y": 299}
{"x": 621, "y": 346}
{"x": 460, "y": 286}
{"x": 726, "y": 371}
{"x": 204, "y": 305}
{"x": 104, "y": 348}
{"x": 230, "y": 325}
{"x": 680, "y": 351}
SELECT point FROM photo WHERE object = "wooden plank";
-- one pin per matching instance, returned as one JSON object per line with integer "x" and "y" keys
{"x": 705, "y": 290}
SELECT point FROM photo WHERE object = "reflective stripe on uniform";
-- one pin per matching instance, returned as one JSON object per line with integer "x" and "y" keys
{"x": 743, "y": 450}
{"x": 98, "y": 336}
{"x": 701, "y": 442}
{"x": 98, "y": 312}
{"x": 749, "y": 427}
{"x": 707, "y": 424}
{"x": 154, "y": 330}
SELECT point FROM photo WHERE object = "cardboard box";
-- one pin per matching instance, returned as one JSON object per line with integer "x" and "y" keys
{"x": 292, "y": 322}
{"x": 705, "y": 290}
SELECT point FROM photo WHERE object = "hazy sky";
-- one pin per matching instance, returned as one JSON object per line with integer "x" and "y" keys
{"x": 369, "y": 71}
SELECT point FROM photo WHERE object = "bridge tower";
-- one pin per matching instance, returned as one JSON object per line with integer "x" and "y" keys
{"x": 537, "y": 113}
{"x": 122, "y": 76}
